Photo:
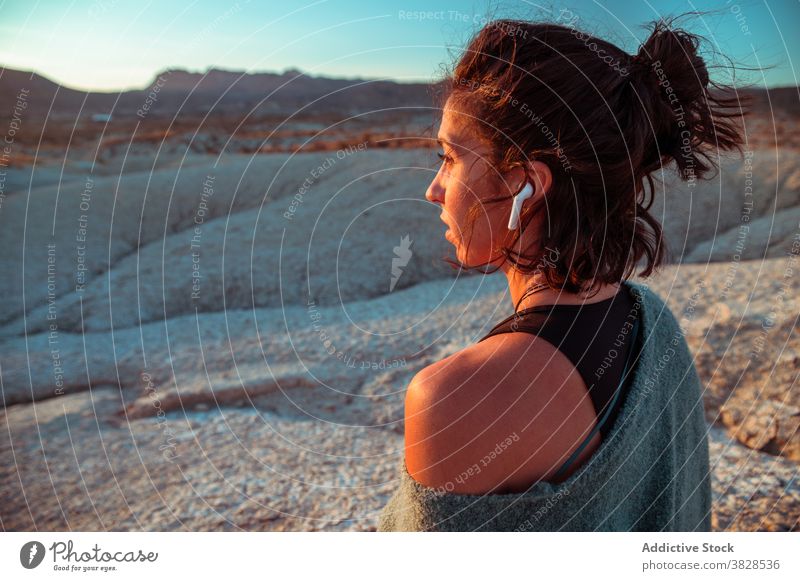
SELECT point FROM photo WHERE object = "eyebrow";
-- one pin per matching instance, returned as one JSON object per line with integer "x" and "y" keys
{"x": 440, "y": 141}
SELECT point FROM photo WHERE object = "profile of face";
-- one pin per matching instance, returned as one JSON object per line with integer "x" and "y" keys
{"x": 466, "y": 179}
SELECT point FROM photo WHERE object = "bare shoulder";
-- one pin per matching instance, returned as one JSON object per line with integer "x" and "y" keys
{"x": 496, "y": 416}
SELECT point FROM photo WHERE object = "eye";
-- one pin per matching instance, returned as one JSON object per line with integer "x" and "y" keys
{"x": 445, "y": 158}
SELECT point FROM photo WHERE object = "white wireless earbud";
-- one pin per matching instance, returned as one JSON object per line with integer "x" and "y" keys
{"x": 516, "y": 205}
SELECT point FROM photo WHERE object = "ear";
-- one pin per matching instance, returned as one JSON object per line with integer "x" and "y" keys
{"x": 535, "y": 172}
{"x": 540, "y": 176}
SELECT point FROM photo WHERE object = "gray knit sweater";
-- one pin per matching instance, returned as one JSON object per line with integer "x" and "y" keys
{"x": 650, "y": 474}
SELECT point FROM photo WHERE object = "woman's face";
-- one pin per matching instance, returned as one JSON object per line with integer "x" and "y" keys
{"x": 466, "y": 178}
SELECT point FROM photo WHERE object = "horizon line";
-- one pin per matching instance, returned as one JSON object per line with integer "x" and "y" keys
{"x": 243, "y": 72}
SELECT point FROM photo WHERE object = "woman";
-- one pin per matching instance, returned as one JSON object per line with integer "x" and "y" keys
{"x": 582, "y": 411}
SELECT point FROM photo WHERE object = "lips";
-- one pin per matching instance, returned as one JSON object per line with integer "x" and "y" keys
{"x": 448, "y": 232}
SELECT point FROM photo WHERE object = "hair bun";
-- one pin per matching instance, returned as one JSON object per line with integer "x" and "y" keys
{"x": 685, "y": 118}
{"x": 672, "y": 54}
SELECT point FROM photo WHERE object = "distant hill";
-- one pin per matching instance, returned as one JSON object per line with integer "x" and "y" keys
{"x": 218, "y": 90}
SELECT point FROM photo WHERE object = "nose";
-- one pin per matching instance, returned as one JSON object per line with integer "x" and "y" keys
{"x": 435, "y": 192}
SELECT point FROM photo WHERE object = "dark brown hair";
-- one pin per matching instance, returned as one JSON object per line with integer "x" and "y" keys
{"x": 603, "y": 121}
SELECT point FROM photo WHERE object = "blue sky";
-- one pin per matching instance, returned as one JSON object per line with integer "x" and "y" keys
{"x": 118, "y": 44}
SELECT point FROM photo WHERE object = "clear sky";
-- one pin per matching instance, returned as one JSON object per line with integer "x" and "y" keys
{"x": 119, "y": 44}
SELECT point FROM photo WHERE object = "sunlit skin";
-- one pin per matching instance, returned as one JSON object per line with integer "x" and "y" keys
{"x": 513, "y": 384}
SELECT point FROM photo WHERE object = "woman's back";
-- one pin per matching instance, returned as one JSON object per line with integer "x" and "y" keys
{"x": 650, "y": 474}
{"x": 552, "y": 378}
{"x": 593, "y": 336}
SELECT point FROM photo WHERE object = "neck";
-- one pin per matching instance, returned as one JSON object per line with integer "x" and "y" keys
{"x": 519, "y": 283}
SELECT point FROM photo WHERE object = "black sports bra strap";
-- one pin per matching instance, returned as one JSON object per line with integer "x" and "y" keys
{"x": 607, "y": 412}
